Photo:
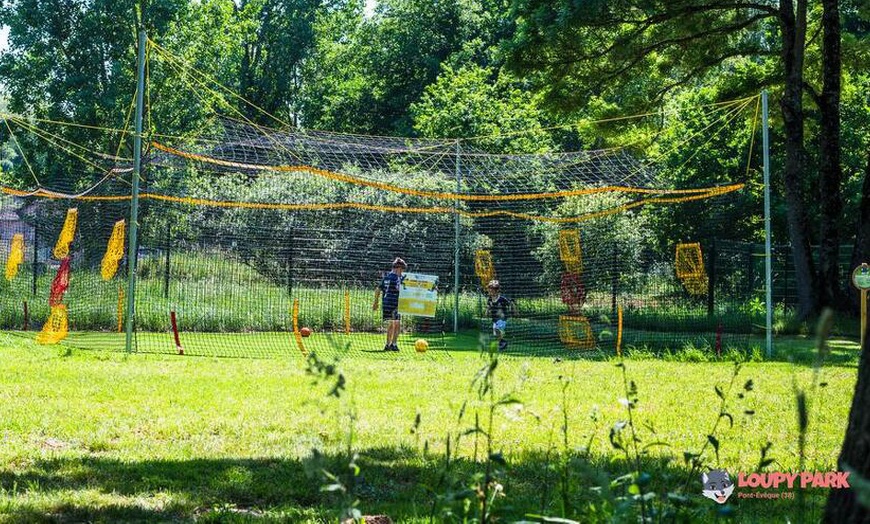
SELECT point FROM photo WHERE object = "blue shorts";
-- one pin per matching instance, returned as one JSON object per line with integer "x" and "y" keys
{"x": 390, "y": 311}
{"x": 499, "y": 327}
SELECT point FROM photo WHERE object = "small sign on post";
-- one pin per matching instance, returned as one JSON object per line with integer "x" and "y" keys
{"x": 861, "y": 280}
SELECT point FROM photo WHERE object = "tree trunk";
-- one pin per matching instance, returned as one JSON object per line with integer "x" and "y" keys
{"x": 861, "y": 253}
{"x": 794, "y": 26}
{"x": 830, "y": 172}
{"x": 842, "y": 507}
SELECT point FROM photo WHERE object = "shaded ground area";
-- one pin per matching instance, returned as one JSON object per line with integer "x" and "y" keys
{"x": 398, "y": 482}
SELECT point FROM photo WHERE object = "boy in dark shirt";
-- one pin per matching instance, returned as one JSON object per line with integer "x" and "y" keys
{"x": 389, "y": 287}
{"x": 499, "y": 307}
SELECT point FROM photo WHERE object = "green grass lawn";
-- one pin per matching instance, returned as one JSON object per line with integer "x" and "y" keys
{"x": 92, "y": 435}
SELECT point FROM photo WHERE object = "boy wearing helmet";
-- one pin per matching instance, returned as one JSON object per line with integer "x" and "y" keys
{"x": 499, "y": 307}
{"x": 389, "y": 287}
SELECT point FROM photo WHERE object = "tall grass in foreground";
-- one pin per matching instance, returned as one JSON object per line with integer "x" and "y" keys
{"x": 639, "y": 487}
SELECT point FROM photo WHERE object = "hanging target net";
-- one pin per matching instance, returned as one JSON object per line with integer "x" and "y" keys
{"x": 256, "y": 238}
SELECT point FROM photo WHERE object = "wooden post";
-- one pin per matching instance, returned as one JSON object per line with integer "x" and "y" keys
{"x": 768, "y": 261}
{"x": 347, "y": 313}
{"x": 863, "y": 316}
{"x": 861, "y": 280}
{"x": 457, "y": 248}
{"x": 750, "y": 267}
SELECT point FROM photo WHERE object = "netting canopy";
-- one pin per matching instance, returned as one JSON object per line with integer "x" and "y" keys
{"x": 271, "y": 240}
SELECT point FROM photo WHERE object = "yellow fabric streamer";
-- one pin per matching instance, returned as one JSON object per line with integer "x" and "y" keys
{"x": 569, "y": 250}
{"x": 340, "y": 177}
{"x": 120, "y": 309}
{"x": 56, "y": 327}
{"x": 619, "y": 331}
{"x": 296, "y": 334}
{"x": 16, "y": 256}
{"x": 484, "y": 267}
{"x": 114, "y": 251}
{"x": 61, "y": 249}
{"x": 332, "y": 206}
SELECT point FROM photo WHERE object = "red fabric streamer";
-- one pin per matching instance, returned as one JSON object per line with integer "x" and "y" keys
{"x": 60, "y": 283}
{"x": 573, "y": 292}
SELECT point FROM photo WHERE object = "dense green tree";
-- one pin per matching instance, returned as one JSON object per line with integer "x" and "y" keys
{"x": 367, "y": 72}
{"x": 844, "y": 505}
{"x": 640, "y": 50}
{"x": 855, "y": 114}
{"x": 336, "y": 94}
{"x": 279, "y": 36}
{"x": 475, "y": 101}
{"x": 436, "y": 70}
{"x": 74, "y": 61}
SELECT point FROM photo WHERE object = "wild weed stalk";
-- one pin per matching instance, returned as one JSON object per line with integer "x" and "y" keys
{"x": 625, "y": 437}
{"x": 632, "y": 453}
{"x": 696, "y": 460}
{"x": 342, "y": 483}
{"x": 473, "y": 499}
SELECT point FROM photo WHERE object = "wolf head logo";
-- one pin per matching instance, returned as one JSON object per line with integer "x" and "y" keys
{"x": 717, "y": 485}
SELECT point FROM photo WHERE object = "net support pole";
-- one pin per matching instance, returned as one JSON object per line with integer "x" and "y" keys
{"x": 167, "y": 261}
{"x": 132, "y": 251}
{"x": 290, "y": 264}
{"x": 35, "y": 268}
{"x": 768, "y": 259}
{"x": 456, "y": 248}
{"x": 711, "y": 281}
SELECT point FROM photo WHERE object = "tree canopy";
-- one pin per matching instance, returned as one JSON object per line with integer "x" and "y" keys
{"x": 520, "y": 76}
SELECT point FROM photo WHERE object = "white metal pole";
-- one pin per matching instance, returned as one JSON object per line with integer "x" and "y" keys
{"x": 456, "y": 245}
{"x": 134, "y": 201}
{"x": 768, "y": 259}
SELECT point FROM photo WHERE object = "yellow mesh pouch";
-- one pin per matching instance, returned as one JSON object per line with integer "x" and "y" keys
{"x": 16, "y": 256}
{"x": 114, "y": 251}
{"x": 696, "y": 285}
{"x": 689, "y": 265}
{"x": 61, "y": 249}
{"x": 56, "y": 327}
{"x": 576, "y": 332}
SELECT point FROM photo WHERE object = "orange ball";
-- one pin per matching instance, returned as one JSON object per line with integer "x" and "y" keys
{"x": 305, "y": 332}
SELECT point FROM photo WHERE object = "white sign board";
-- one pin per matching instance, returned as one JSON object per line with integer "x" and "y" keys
{"x": 418, "y": 295}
